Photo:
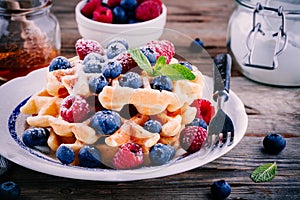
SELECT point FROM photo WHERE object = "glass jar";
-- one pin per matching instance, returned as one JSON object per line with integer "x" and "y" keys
{"x": 264, "y": 39}
{"x": 29, "y": 36}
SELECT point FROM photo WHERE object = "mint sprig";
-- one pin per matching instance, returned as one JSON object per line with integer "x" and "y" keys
{"x": 173, "y": 71}
{"x": 264, "y": 173}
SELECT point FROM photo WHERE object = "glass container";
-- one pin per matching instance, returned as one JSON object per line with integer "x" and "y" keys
{"x": 264, "y": 39}
{"x": 29, "y": 36}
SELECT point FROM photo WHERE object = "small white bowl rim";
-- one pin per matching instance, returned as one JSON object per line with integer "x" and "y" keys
{"x": 108, "y": 25}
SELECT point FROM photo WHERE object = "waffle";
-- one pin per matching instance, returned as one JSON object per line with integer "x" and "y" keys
{"x": 151, "y": 102}
{"x": 171, "y": 108}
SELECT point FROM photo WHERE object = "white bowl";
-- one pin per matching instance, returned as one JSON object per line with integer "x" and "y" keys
{"x": 136, "y": 34}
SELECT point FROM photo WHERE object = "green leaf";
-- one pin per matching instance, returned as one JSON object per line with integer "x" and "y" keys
{"x": 264, "y": 173}
{"x": 141, "y": 60}
{"x": 177, "y": 72}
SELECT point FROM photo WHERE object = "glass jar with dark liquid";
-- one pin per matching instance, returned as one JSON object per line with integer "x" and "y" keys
{"x": 29, "y": 37}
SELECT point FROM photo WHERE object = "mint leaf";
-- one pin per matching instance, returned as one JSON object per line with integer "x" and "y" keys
{"x": 141, "y": 60}
{"x": 264, "y": 173}
{"x": 177, "y": 72}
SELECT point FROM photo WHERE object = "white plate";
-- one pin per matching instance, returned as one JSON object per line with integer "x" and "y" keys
{"x": 16, "y": 91}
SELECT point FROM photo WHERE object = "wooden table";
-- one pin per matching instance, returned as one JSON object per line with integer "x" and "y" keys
{"x": 270, "y": 109}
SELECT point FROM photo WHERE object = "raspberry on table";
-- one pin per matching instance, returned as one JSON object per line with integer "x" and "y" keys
{"x": 59, "y": 62}
{"x": 162, "y": 48}
{"x": 130, "y": 155}
{"x": 85, "y": 46}
{"x": 192, "y": 138}
{"x": 148, "y": 10}
{"x": 126, "y": 61}
{"x": 74, "y": 108}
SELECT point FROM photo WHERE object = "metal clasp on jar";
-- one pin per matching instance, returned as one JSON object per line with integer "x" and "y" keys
{"x": 281, "y": 40}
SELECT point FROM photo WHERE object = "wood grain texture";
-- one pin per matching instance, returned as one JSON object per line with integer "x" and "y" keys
{"x": 269, "y": 109}
{"x": 235, "y": 167}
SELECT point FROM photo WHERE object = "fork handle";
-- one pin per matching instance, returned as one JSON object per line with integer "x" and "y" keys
{"x": 221, "y": 75}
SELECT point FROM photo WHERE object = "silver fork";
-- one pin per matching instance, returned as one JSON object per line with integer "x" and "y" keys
{"x": 221, "y": 129}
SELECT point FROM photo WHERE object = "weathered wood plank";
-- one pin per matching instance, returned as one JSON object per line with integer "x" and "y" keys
{"x": 235, "y": 167}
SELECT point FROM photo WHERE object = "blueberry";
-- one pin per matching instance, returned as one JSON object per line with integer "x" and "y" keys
{"x": 35, "y": 137}
{"x": 112, "y": 70}
{"x": 153, "y": 126}
{"x": 128, "y": 4}
{"x": 132, "y": 80}
{"x": 118, "y": 40}
{"x": 162, "y": 83}
{"x": 198, "y": 122}
{"x": 220, "y": 190}
{"x": 59, "y": 62}
{"x": 115, "y": 49}
{"x": 150, "y": 54}
{"x": 94, "y": 56}
{"x": 89, "y": 156}
{"x": 106, "y": 122}
{"x": 9, "y": 190}
{"x": 93, "y": 63}
{"x": 96, "y": 85}
{"x": 161, "y": 154}
{"x": 65, "y": 154}
{"x": 119, "y": 15}
{"x": 92, "y": 66}
{"x": 274, "y": 143}
{"x": 196, "y": 45}
{"x": 186, "y": 64}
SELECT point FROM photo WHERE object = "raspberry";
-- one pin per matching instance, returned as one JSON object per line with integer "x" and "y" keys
{"x": 74, "y": 109}
{"x": 89, "y": 8}
{"x": 126, "y": 61}
{"x": 205, "y": 109}
{"x": 148, "y": 10}
{"x": 85, "y": 46}
{"x": 192, "y": 137}
{"x": 103, "y": 14}
{"x": 130, "y": 155}
{"x": 111, "y": 3}
{"x": 162, "y": 48}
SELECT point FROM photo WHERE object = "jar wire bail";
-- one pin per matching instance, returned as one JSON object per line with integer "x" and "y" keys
{"x": 281, "y": 38}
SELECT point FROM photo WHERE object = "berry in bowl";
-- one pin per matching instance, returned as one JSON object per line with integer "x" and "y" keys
{"x": 135, "y": 20}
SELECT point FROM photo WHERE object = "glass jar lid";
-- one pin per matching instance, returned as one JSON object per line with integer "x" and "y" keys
{"x": 290, "y": 7}
{"x": 8, "y": 7}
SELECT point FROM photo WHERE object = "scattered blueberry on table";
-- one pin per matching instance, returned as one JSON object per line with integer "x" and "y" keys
{"x": 220, "y": 190}
{"x": 9, "y": 190}
{"x": 274, "y": 143}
